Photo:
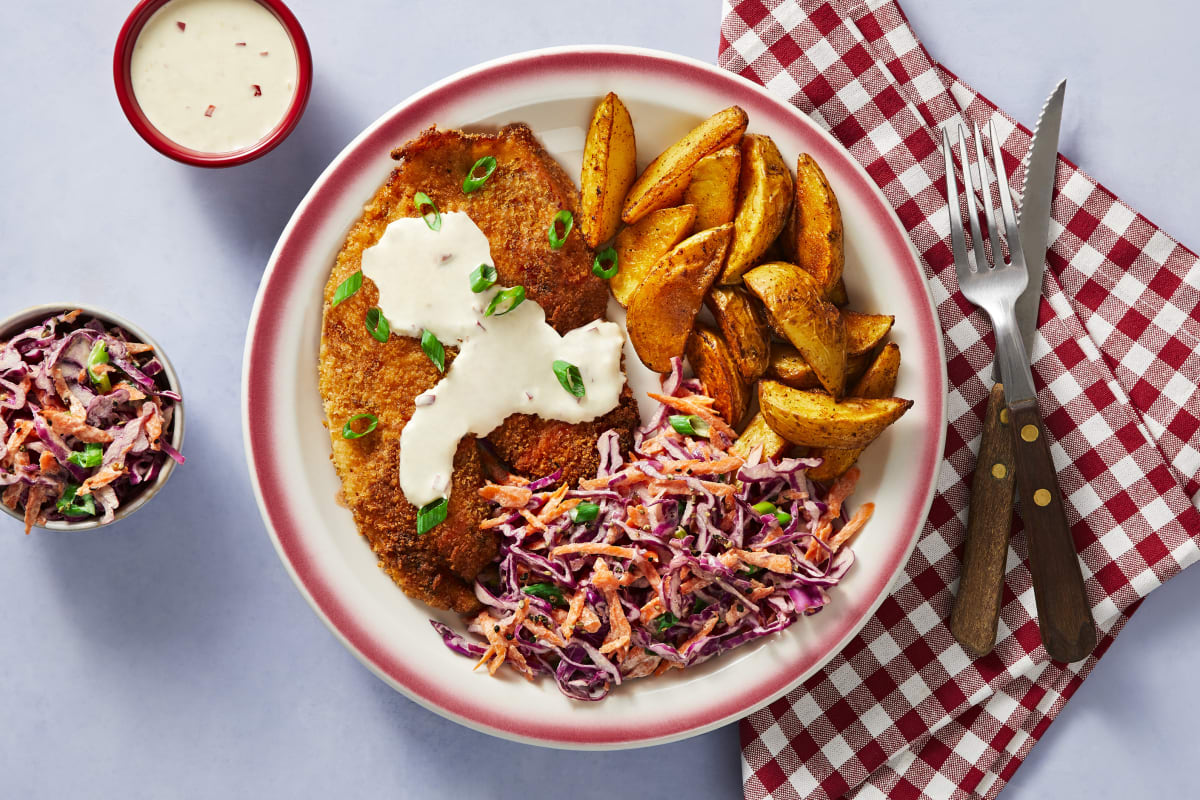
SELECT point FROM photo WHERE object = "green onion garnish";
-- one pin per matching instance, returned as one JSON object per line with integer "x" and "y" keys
{"x": 377, "y": 325}
{"x": 608, "y": 254}
{"x": 698, "y": 606}
{"x": 569, "y": 378}
{"x": 484, "y": 277}
{"x": 431, "y": 515}
{"x": 74, "y": 506}
{"x": 474, "y": 180}
{"x": 664, "y": 621}
{"x": 348, "y": 431}
{"x": 783, "y": 517}
{"x": 347, "y": 288}
{"x": 433, "y": 348}
{"x": 546, "y": 591}
{"x": 505, "y": 301}
{"x": 765, "y": 507}
{"x": 688, "y": 424}
{"x": 584, "y": 512}
{"x": 92, "y": 456}
{"x": 433, "y": 217}
{"x": 750, "y": 572}
{"x": 567, "y": 220}
{"x": 98, "y": 356}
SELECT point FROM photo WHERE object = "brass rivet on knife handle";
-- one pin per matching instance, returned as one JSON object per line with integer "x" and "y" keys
{"x": 977, "y": 605}
{"x": 1064, "y": 615}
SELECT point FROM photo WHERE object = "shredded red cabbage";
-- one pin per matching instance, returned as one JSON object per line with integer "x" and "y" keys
{"x": 676, "y": 567}
{"x": 68, "y": 449}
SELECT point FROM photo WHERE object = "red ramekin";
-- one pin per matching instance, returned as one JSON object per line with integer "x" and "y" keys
{"x": 123, "y": 55}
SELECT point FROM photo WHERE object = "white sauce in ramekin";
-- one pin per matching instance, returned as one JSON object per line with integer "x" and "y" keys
{"x": 505, "y": 363}
{"x": 215, "y": 76}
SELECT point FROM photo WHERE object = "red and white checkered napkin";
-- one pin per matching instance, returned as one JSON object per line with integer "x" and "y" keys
{"x": 903, "y": 711}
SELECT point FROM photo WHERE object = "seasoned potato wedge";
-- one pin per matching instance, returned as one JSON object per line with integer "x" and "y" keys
{"x": 838, "y": 296}
{"x": 813, "y": 326}
{"x": 662, "y": 183}
{"x": 759, "y": 434}
{"x": 715, "y": 367}
{"x": 764, "y": 199}
{"x": 664, "y": 307}
{"x": 745, "y": 329}
{"x": 816, "y": 419}
{"x": 640, "y": 246}
{"x": 816, "y": 227}
{"x": 713, "y": 189}
{"x": 865, "y": 331}
{"x": 609, "y": 167}
{"x": 878, "y": 381}
{"x": 786, "y": 365}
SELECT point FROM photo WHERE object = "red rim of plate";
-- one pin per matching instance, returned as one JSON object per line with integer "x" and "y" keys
{"x": 122, "y": 80}
{"x": 265, "y": 333}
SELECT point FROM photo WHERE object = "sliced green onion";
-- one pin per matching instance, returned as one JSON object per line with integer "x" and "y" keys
{"x": 348, "y": 431}
{"x": 567, "y": 220}
{"x": 433, "y": 348}
{"x": 431, "y": 515}
{"x": 74, "y": 506}
{"x": 783, "y": 517}
{"x": 474, "y": 180}
{"x": 584, "y": 512}
{"x": 484, "y": 277}
{"x": 750, "y": 572}
{"x": 688, "y": 424}
{"x": 347, "y": 288}
{"x": 698, "y": 606}
{"x": 377, "y": 325}
{"x": 765, "y": 507}
{"x": 505, "y": 301}
{"x": 608, "y": 254}
{"x": 433, "y": 218}
{"x": 569, "y": 378}
{"x": 664, "y": 621}
{"x": 98, "y": 356}
{"x": 546, "y": 591}
{"x": 92, "y": 456}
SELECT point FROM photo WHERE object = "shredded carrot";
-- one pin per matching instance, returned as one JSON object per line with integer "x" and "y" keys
{"x": 676, "y": 486}
{"x": 653, "y": 608}
{"x": 694, "y": 466}
{"x": 554, "y": 505}
{"x": 542, "y": 633}
{"x": 853, "y": 526}
{"x": 769, "y": 561}
{"x": 506, "y": 496}
{"x": 815, "y": 552}
{"x": 495, "y": 522}
{"x": 588, "y": 620}
{"x": 840, "y": 490}
{"x": 636, "y": 516}
{"x": 67, "y": 424}
{"x": 701, "y": 410}
{"x": 700, "y": 634}
{"x": 103, "y": 477}
{"x": 533, "y": 521}
{"x": 594, "y": 549}
{"x": 573, "y": 611}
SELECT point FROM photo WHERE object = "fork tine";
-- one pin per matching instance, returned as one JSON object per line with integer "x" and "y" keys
{"x": 957, "y": 240}
{"x": 981, "y": 261}
{"x": 1016, "y": 254}
{"x": 986, "y": 189}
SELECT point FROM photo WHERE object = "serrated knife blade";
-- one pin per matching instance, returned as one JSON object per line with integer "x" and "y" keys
{"x": 1033, "y": 216}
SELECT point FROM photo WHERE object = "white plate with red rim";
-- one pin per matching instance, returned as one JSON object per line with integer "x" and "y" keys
{"x": 555, "y": 91}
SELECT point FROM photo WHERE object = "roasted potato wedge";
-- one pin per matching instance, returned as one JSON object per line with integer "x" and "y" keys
{"x": 816, "y": 228}
{"x": 663, "y": 182}
{"x": 878, "y": 381}
{"x": 714, "y": 365}
{"x": 838, "y": 296}
{"x": 865, "y": 331}
{"x": 813, "y": 326}
{"x": 745, "y": 329}
{"x": 609, "y": 167}
{"x": 640, "y": 246}
{"x": 764, "y": 199}
{"x": 759, "y": 434}
{"x": 815, "y": 419}
{"x": 664, "y": 307}
{"x": 786, "y": 365}
{"x": 713, "y": 189}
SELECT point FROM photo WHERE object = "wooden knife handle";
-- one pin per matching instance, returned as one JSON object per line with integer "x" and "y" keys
{"x": 977, "y": 605}
{"x": 1064, "y": 615}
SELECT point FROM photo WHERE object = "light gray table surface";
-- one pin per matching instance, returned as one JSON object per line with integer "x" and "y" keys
{"x": 171, "y": 656}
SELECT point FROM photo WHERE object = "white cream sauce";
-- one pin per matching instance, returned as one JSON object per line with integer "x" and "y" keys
{"x": 214, "y": 76}
{"x": 505, "y": 363}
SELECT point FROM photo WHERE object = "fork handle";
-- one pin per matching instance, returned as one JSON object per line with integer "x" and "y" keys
{"x": 976, "y": 608}
{"x": 1064, "y": 614}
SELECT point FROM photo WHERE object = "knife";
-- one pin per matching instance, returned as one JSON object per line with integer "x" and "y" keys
{"x": 976, "y": 608}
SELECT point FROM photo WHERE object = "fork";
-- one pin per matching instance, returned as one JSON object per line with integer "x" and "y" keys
{"x": 1064, "y": 615}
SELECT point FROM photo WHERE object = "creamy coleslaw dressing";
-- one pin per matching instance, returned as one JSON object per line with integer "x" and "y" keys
{"x": 214, "y": 76}
{"x": 505, "y": 363}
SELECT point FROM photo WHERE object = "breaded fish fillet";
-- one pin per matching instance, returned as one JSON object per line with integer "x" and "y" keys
{"x": 514, "y": 209}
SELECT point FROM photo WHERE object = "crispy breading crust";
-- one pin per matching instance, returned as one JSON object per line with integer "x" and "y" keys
{"x": 514, "y": 209}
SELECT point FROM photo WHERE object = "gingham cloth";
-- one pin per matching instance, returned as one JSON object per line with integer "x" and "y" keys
{"x": 904, "y": 711}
